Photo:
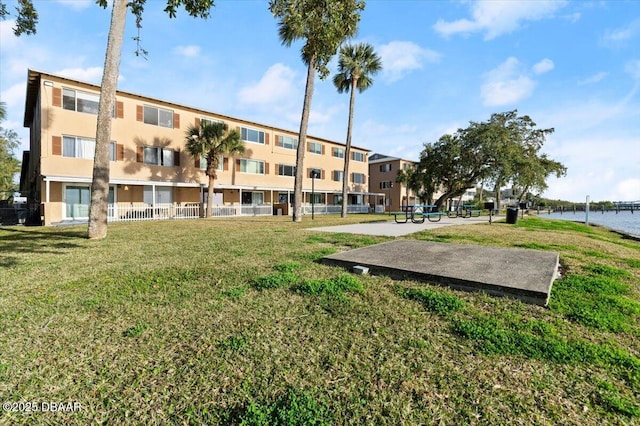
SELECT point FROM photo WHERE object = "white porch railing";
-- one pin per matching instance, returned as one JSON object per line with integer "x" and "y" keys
{"x": 242, "y": 210}
{"x": 143, "y": 211}
{"x": 121, "y": 212}
{"x": 334, "y": 208}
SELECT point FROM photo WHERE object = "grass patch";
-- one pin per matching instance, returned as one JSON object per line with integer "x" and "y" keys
{"x": 597, "y": 299}
{"x": 337, "y": 286}
{"x": 182, "y": 336}
{"x": 433, "y": 301}
{"x": 609, "y": 397}
{"x": 233, "y": 343}
{"x": 493, "y": 337}
{"x": 288, "y": 267}
{"x": 136, "y": 330}
{"x": 538, "y": 223}
{"x": 275, "y": 280}
{"x": 235, "y": 293}
{"x": 294, "y": 407}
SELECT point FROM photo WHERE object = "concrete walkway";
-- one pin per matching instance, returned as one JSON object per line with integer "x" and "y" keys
{"x": 393, "y": 229}
{"x": 520, "y": 273}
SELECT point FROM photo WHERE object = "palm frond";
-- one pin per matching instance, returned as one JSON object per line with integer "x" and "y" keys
{"x": 356, "y": 63}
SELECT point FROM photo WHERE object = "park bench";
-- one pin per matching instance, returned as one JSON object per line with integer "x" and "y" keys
{"x": 429, "y": 212}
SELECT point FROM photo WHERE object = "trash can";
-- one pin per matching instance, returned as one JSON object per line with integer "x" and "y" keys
{"x": 512, "y": 215}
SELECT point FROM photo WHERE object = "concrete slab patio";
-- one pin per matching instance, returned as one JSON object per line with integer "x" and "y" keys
{"x": 520, "y": 273}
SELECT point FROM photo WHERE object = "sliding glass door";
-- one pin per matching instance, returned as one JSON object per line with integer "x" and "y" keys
{"x": 77, "y": 199}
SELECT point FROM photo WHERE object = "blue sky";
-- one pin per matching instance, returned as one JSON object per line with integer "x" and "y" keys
{"x": 570, "y": 65}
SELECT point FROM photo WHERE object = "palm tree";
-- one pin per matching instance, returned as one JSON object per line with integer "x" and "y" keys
{"x": 355, "y": 67}
{"x": 211, "y": 140}
{"x": 323, "y": 26}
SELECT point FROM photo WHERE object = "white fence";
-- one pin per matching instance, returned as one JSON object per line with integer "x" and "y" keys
{"x": 120, "y": 212}
{"x": 334, "y": 208}
{"x": 142, "y": 211}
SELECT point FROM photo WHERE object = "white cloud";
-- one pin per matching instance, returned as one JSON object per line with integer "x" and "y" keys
{"x": 190, "y": 51}
{"x": 592, "y": 79}
{"x": 14, "y": 95}
{"x": 507, "y": 84}
{"x": 573, "y": 17}
{"x": 401, "y": 57}
{"x": 277, "y": 84}
{"x": 608, "y": 181}
{"x": 76, "y": 4}
{"x": 495, "y": 18}
{"x": 320, "y": 116}
{"x": 623, "y": 34}
{"x": 627, "y": 190}
{"x": 9, "y": 40}
{"x": 543, "y": 66}
{"x": 633, "y": 69}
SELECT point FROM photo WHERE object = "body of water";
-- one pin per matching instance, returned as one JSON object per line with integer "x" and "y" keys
{"x": 624, "y": 221}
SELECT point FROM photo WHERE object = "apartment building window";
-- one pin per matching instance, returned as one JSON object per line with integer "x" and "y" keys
{"x": 209, "y": 121}
{"x": 384, "y": 168}
{"x": 112, "y": 151}
{"x": 252, "y": 198}
{"x": 337, "y": 152}
{"x": 357, "y": 156}
{"x": 163, "y": 194}
{"x": 252, "y": 135}
{"x": 287, "y": 142}
{"x": 286, "y": 170}
{"x": 75, "y": 147}
{"x": 315, "y": 147}
{"x": 75, "y": 100}
{"x": 156, "y": 156}
{"x": 158, "y": 116}
{"x": 386, "y": 185}
{"x": 357, "y": 177}
{"x": 316, "y": 198}
{"x": 337, "y": 175}
{"x": 318, "y": 173}
{"x": 203, "y": 164}
{"x": 252, "y": 166}
{"x": 406, "y": 166}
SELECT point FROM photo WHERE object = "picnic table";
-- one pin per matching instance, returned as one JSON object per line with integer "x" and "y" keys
{"x": 426, "y": 211}
{"x": 468, "y": 210}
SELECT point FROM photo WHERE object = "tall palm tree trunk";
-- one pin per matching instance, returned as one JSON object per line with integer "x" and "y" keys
{"x": 100, "y": 182}
{"x": 302, "y": 142}
{"x": 210, "y": 196}
{"x": 347, "y": 151}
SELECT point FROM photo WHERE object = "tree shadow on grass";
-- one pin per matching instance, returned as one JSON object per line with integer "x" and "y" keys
{"x": 14, "y": 240}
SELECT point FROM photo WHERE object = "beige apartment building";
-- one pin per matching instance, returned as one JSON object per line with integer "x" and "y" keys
{"x": 383, "y": 172}
{"x": 151, "y": 174}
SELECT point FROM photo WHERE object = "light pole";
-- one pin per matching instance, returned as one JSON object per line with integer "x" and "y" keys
{"x": 389, "y": 196}
{"x": 314, "y": 175}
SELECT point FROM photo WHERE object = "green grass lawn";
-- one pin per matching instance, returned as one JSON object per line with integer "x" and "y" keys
{"x": 237, "y": 322}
